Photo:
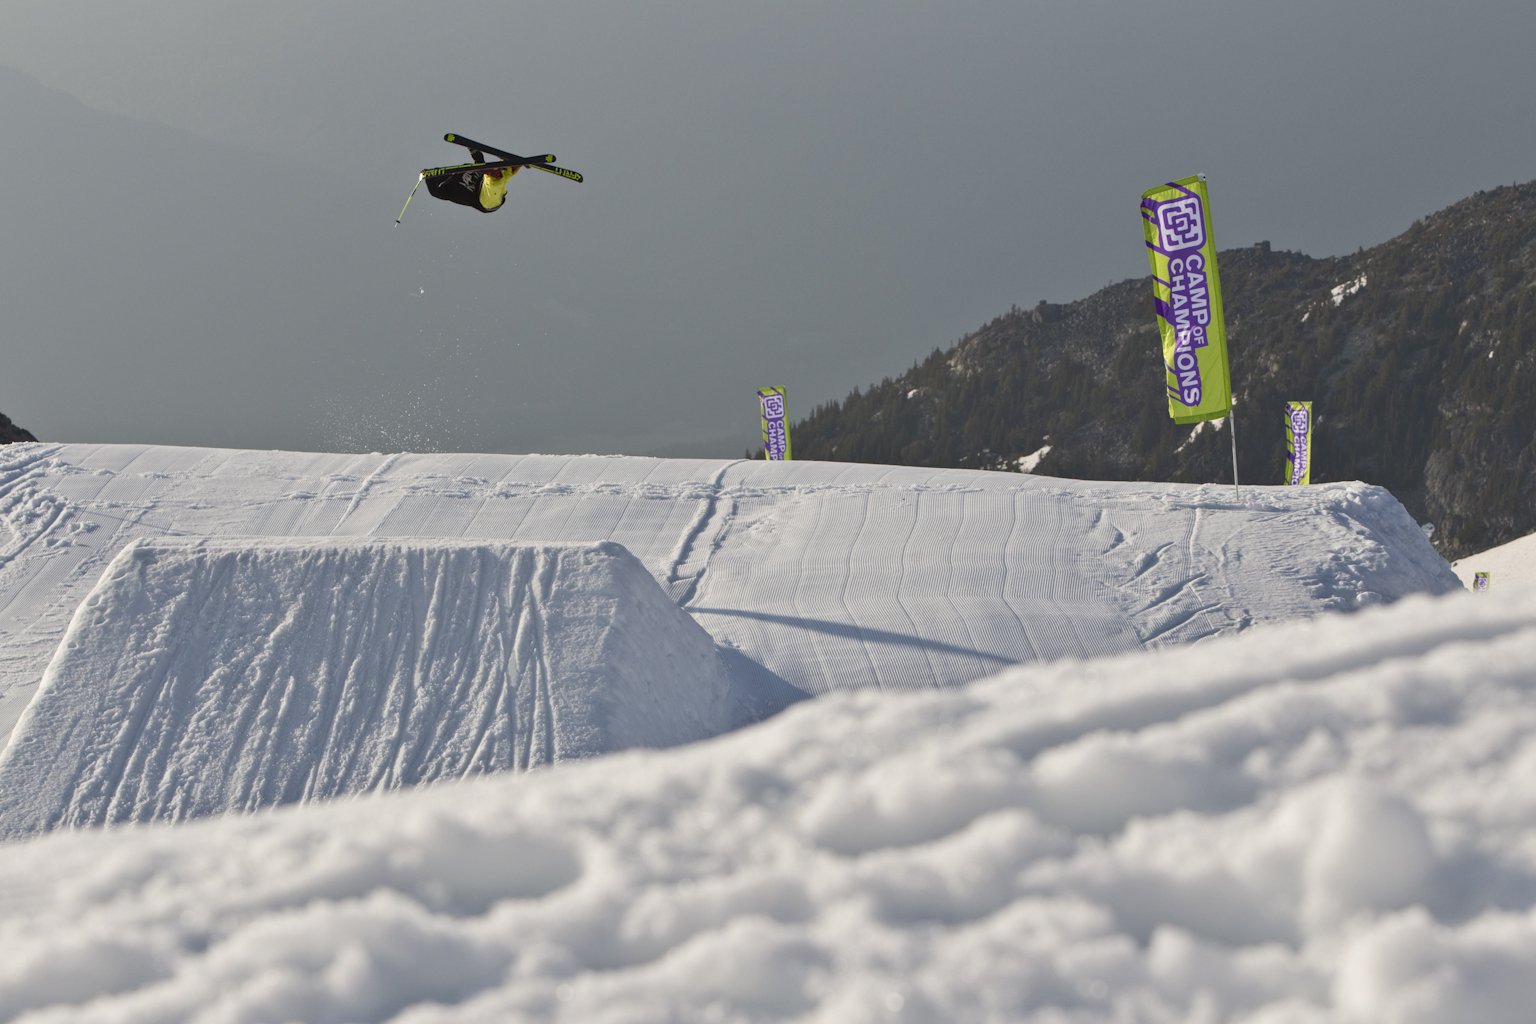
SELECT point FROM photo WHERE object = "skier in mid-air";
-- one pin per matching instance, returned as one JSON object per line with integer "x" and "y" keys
{"x": 481, "y": 185}
{"x": 485, "y": 191}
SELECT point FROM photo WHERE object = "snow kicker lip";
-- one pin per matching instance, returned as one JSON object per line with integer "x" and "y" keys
{"x": 200, "y": 677}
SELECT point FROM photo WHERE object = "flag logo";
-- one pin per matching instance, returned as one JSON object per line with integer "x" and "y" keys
{"x": 1181, "y": 224}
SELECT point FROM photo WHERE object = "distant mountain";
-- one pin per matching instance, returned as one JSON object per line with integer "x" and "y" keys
{"x": 1419, "y": 354}
{"x": 160, "y": 287}
{"x": 10, "y": 433}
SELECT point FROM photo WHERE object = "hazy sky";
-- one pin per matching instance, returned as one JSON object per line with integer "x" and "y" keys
{"x": 796, "y": 193}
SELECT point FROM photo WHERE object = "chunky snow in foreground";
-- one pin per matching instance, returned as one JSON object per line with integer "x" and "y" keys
{"x": 1323, "y": 821}
{"x": 202, "y": 677}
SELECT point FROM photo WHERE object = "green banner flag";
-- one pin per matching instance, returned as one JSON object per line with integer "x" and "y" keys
{"x": 1187, "y": 293}
{"x": 775, "y": 417}
{"x": 1298, "y": 442}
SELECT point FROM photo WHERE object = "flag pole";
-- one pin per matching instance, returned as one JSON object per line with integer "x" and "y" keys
{"x": 1232, "y": 429}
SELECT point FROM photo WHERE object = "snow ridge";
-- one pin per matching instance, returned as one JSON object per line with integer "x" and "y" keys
{"x": 817, "y": 577}
{"x": 209, "y": 676}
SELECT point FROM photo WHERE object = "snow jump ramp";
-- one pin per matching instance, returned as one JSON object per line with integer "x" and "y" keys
{"x": 200, "y": 677}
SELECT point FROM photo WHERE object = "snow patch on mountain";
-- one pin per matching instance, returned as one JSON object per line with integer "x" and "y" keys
{"x": 1031, "y": 462}
{"x": 1343, "y": 291}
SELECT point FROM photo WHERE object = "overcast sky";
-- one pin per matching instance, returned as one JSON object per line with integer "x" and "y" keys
{"x": 802, "y": 193}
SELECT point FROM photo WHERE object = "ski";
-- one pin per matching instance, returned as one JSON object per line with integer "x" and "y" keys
{"x": 543, "y": 163}
{"x": 471, "y": 144}
{"x": 522, "y": 161}
{"x": 441, "y": 172}
{"x": 563, "y": 172}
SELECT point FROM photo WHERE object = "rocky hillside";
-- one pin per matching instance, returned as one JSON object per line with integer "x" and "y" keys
{"x": 11, "y": 433}
{"x": 1419, "y": 354}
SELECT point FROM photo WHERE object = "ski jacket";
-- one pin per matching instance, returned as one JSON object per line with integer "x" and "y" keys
{"x": 475, "y": 189}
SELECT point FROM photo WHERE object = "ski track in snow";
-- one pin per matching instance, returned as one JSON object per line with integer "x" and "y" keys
{"x": 682, "y": 575}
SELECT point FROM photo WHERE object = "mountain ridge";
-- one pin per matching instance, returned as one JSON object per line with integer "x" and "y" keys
{"x": 11, "y": 433}
{"x": 1419, "y": 354}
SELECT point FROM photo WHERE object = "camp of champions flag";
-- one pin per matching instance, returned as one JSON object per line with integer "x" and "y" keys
{"x": 1187, "y": 292}
{"x": 775, "y": 424}
{"x": 1298, "y": 442}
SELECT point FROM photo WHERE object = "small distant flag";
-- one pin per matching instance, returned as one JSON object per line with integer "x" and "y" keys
{"x": 770, "y": 402}
{"x": 1298, "y": 442}
{"x": 1186, "y": 290}
{"x": 1480, "y": 582}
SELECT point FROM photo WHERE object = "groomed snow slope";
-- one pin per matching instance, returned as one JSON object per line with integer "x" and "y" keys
{"x": 817, "y": 577}
{"x": 1331, "y": 821}
{"x": 213, "y": 676}
{"x": 1511, "y": 567}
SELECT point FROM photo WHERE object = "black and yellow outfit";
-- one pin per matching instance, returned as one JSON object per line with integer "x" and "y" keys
{"x": 481, "y": 190}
